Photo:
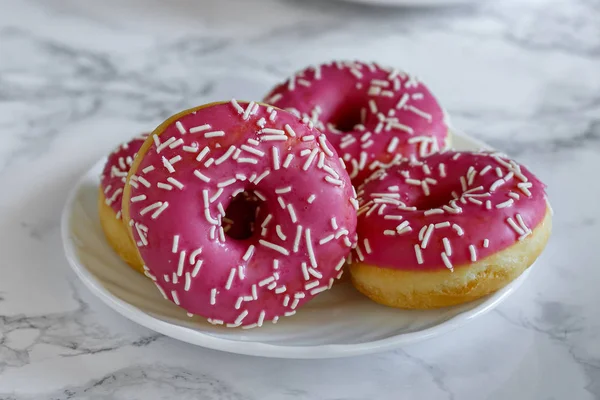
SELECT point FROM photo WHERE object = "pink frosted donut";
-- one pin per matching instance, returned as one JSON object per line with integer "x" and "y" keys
{"x": 114, "y": 174}
{"x": 449, "y": 228}
{"x": 193, "y": 167}
{"x": 372, "y": 115}
{"x": 112, "y": 183}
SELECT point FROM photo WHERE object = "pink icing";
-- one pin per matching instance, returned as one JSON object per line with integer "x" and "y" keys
{"x": 114, "y": 174}
{"x": 305, "y": 226}
{"x": 483, "y": 200}
{"x": 371, "y": 114}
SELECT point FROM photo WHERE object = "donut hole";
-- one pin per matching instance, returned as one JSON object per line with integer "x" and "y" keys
{"x": 240, "y": 216}
{"x": 432, "y": 201}
{"x": 345, "y": 118}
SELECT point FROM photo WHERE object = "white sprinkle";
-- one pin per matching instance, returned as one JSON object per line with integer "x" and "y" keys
{"x": 281, "y": 202}
{"x": 427, "y": 236}
{"x": 393, "y": 144}
{"x": 289, "y": 130}
{"x": 176, "y": 143}
{"x": 181, "y": 262}
{"x": 148, "y": 169}
{"x": 188, "y": 281}
{"x": 138, "y": 198}
{"x": 156, "y": 142}
{"x": 288, "y": 160}
{"x": 165, "y": 144}
{"x": 248, "y": 253}
{"x": 333, "y": 181}
{"x": 516, "y": 227}
{"x": 499, "y": 172}
{"x": 273, "y": 131}
{"x": 505, "y": 204}
{"x": 213, "y": 296}
{"x": 194, "y": 254}
{"x": 266, "y": 138}
{"x": 197, "y": 268}
{"x": 168, "y": 165}
{"x": 201, "y": 176}
{"x": 311, "y": 253}
{"x": 275, "y": 247}
{"x": 315, "y": 273}
{"x": 521, "y": 222}
{"x": 261, "y": 176}
{"x": 276, "y": 161}
{"x": 248, "y": 110}
{"x": 394, "y": 217}
{"x": 174, "y": 296}
{"x": 327, "y": 239}
{"x": 447, "y": 262}
{"x": 496, "y": 184}
{"x": 311, "y": 198}
{"x": 175, "y": 182}
{"x": 433, "y": 211}
{"x": 447, "y": 247}
{"x": 514, "y": 195}
{"x": 485, "y": 170}
{"x": 241, "y": 317}
{"x": 292, "y": 212}
{"x": 311, "y": 284}
{"x": 266, "y": 281}
{"x": 226, "y": 183}
{"x": 285, "y": 189}
{"x": 214, "y": 134}
{"x": 202, "y": 154}
{"x": 524, "y": 189}
{"x": 230, "y": 278}
{"x": 175, "y": 243}
{"x": 373, "y": 106}
{"x": 359, "y": 253}
{"x": 298, "y": 236}
{"x": 238, "y": 303}
{"x": 252, "y": 150}
{"x": 310, "y": 159}
{"x": 280, "y": 233}
{"x": 418, "y": 254}
{"x": 225, "y": 156}
{"x": 150, "y": 208}
{"x": 458, "y": 229}
{"x": 200, "y": 128}
{"x": 254, "y": 292}
{"x": 323, "y": 143}
{"x": 473, "y": 253}
{"x": 367, "y": 246}
{"x": 162, "y": 208}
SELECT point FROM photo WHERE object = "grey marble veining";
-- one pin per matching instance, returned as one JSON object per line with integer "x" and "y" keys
{"x": 78, "y": 77}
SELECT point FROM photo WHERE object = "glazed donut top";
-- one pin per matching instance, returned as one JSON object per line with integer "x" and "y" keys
{"x": 194, "y": 165}
{"x": 371, "y": 114}
{"x": 446, "y": 210}
{"x": 114, "y": 174}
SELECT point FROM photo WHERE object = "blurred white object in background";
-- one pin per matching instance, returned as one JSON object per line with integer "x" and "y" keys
{"x": 412, "y": 3}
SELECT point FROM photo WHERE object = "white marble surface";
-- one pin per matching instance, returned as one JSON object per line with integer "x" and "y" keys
{"x": 76, "y": 77}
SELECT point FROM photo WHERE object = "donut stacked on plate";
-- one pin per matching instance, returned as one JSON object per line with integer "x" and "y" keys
{"x": 241, "y": 212}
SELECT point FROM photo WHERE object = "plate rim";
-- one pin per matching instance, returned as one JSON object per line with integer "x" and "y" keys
{"x": 256, "y": 348}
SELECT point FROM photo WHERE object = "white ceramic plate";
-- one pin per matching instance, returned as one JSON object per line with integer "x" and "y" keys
{"x": 337, "y": 323}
